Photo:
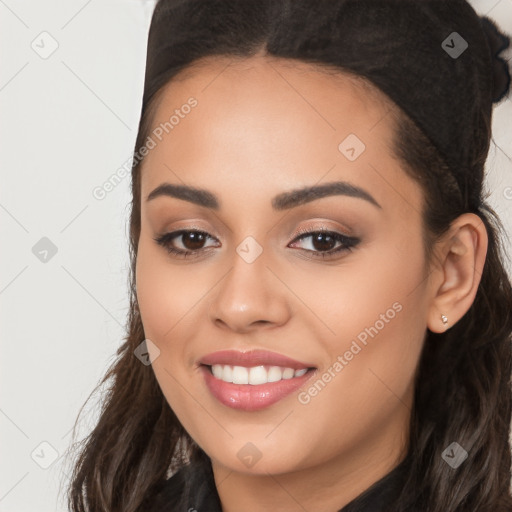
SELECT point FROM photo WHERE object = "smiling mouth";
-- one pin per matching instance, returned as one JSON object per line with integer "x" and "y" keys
{"x": 255, "y": 375}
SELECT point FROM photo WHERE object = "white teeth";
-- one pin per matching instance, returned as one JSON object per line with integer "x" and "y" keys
{"x": 254, "y": 375}
{"x": 288, "y": 373}
{"x": 274, "y": 374}
{"x": 257, "y": 375}
{"x": 227, "y": 373}
{"x": 217, "y": 371}
{"x": 240, "y": 375}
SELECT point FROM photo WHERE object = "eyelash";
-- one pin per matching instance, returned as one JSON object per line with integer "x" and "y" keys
{"x": 348, "y": 243}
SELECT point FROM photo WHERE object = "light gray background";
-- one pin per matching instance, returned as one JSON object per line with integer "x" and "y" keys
{"x": 68, "y": 123}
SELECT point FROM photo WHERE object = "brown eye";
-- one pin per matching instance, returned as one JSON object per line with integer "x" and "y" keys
{"x": 323, "y": 243}
{"x": 193, "y": 240}
{"x": 184, "y": 242}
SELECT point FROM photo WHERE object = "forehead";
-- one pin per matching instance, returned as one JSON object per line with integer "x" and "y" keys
{"x": 277, "y": 119}
{"x": 225, "y": 77}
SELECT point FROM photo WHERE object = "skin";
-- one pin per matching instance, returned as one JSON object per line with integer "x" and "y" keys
{"x": 264, "y": 126}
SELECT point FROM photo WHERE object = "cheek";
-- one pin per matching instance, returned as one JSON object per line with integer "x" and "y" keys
{"x": 376, "y": 309}
{"x": 173, "y": 304}
{"x": 169, "y": 301}
{"x": 377, "y": 292}
{"x": 167, "y": 295}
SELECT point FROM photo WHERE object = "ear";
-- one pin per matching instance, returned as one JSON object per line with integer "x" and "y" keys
{"x": 456, "y": 277}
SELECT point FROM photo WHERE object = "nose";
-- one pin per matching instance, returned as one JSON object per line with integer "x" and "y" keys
{"x": 249, "y": 297}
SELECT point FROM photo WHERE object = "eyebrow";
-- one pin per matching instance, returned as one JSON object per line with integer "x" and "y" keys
{"x": 283, "y": 201}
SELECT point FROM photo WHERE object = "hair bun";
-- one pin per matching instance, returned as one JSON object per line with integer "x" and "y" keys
{"x": 501, "y": 72}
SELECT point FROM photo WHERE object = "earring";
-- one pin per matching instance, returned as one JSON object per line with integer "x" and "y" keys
{"x": 444, "y": 319}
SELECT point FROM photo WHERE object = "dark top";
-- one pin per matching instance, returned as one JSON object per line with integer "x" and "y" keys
{"x": 198, "y": 477}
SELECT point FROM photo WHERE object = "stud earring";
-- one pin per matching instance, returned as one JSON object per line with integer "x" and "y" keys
{"x": 444, "y": 319}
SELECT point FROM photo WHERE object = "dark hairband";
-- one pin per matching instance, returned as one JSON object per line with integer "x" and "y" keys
{"x": 501, "y": 72}
{"x": 436, "y": 59}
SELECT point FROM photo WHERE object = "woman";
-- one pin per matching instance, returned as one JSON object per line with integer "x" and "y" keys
{"x": 320, "y": 316}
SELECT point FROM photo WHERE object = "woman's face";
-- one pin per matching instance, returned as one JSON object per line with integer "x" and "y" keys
{"x": 352, "y": 302}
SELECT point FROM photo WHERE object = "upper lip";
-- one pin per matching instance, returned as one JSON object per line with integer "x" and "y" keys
{"x": 252, "y": 358}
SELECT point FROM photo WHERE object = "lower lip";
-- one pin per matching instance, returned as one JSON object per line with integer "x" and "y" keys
{"x": 250, "y": 397}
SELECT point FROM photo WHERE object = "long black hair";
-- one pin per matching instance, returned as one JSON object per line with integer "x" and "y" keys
{"x": 462, "y": 389}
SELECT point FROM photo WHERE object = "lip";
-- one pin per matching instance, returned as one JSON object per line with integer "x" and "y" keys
{"x": 253, "y": 358}
{"x": 250, "y": 397}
